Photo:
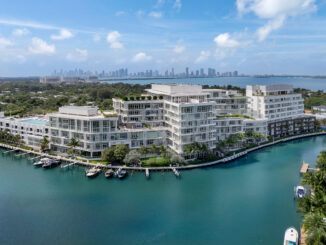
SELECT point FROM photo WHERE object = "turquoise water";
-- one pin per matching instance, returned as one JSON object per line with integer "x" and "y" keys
{"x": 34, "y": 121}
{"x": 249, "y": 201}
{"x": 297, "y": 82}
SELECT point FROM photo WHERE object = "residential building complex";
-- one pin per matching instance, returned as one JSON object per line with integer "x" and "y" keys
{"x": 173, "y": 115}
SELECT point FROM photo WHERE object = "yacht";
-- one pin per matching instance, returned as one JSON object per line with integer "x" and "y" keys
{"x": 41, "y": 162}
{"x": 121, "y": 173}
{"x": 51, "y": 163}
{"x": 291, "y": 237}
{"x": 109, "y": 173}
{"x": 93, "y": 172}
{"x": 299, "y": 191}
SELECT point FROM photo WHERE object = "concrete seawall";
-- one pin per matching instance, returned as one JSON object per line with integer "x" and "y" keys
{"x": 202, "y": 165}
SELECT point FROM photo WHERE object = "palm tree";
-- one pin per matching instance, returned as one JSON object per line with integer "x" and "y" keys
{"x": 73, "y": 144}
{"x": 315, "y": 228}
{"x": 44, "y": 143}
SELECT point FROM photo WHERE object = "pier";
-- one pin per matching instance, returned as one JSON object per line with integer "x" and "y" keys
{"x": 68, "y": 165}
{"x": 175, "y": 171}
{"x": 22, "y": 154}
{"x": 304, "y": 168}
{"x": 9, "y": 151}
{"x": 147, "y": 173}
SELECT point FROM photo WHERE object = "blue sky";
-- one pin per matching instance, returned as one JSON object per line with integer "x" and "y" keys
{"x": 251, "y": 36}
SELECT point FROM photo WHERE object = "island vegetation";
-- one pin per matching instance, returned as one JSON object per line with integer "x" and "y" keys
{"x": 313, "y": 206}
{"x": 29, "y": 96}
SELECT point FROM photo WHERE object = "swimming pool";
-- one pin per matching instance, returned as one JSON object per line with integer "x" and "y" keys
{"x": 34, "y": 121}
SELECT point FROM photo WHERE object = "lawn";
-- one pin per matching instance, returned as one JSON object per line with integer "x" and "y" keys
{"x": 155, "y": 162}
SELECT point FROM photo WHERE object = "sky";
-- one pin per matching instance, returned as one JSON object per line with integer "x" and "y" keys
{"x": 251, "y": 36}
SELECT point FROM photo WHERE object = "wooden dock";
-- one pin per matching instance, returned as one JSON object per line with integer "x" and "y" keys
{"x": 303, "y": 236}
{"x": 304, "y": 168}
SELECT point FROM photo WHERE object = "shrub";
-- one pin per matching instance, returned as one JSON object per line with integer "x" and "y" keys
{"x": 161, "y": 97}
{"x": 149, "y": 97}
{"x": 154, "y": 97}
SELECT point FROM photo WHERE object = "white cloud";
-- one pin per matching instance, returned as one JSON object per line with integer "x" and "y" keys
{"x": 141, "y": 57}
{"x": 4, "y": 42}
{"x": 64, "y": 34}
{"x": 203, "y": 56}
{"x": 276, "y": 11}
{"x": 39, "y": 46}
{"x": 270, "y": 26}
{"x": 120, "y": 13}
{"x": 224, "y": 41}
{"x": 113, "y": 39}
{"x": 156, "y": 15}
{"x": 20, "y": 32}
{"x": 179, "y": 49}
{"x": 78, "y": 55}
{"x": 177, "y": 4}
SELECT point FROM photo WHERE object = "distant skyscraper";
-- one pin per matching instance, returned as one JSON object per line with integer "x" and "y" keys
{"x": 187, "y": 71}
{"x": 202, "y": 72}
{"x": 172, "y": 72}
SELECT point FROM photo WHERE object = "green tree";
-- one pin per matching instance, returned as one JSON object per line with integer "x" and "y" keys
{"x": 132, "y": 158}
{"x": 73, "y": 143}
{"x": 108, "y": 155}
{"x": 120, "y": 152}
{"x": 143, "y": 150}
{"x": 44, "y": 144}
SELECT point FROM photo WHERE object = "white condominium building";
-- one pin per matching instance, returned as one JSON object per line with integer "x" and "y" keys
{"x": 94, "y": 131}
{"x": 173, "y": 115}
{"x": 274, "y": 102}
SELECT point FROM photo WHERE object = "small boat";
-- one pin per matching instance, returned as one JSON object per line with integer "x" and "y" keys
{"x": 93, "y": 172}
{"x": 299, "y": 191}
{"x": 121, "y": 173}
{"x": 109, "y": 173}
{"x": 51, "y": 163}
{"x": 41, "y": 162}
{"x": 291, "y": 237}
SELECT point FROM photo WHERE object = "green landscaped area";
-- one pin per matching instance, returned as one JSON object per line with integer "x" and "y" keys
{"x": 155, "y": 162}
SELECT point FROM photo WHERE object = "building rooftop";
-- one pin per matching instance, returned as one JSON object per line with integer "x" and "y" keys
{"x": 176, "y": 89}
{"x": 79, "y": 110}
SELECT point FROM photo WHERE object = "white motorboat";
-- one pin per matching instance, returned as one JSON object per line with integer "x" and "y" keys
{"x": 121, "y": 173}
{"x": 291, "y": 237}
{"x": 41, "y": 162}
{"x": 300, "y": 191}
{"x": 93, "y": 172}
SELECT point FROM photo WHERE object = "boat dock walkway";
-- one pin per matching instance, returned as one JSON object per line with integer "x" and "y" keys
{"x": 175, "y": 171}
{"x": 147, "y": 173}
{"x": 68, "y": 165}
{"x": 304, "y": 168}
{"x": 303, "y": 236}
{"x": 167, "y": 168}
{"x": 9, "y": 151}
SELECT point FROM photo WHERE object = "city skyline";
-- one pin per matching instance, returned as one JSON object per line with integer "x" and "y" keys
{"x": 256, "y": 37}
{"x": 124, "y": 72}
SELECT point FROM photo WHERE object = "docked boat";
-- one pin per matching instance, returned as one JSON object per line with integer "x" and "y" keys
{"x": 51, "y": 163}
{"x": 299, "y": 191}
{"x": 291, "y": 237}
{"x": 93, "y": 172}
{"x": 109, "y": 173}
{"x": 121, "y": 173}
{"x": 41, "y": 162}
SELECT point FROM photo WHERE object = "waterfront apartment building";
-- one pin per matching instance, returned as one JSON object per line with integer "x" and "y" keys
{"x": 281, "y": 107}
{"x": 173, "y": 115}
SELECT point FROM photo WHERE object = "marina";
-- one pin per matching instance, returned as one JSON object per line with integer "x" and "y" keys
{"x": 210, "y": 198}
